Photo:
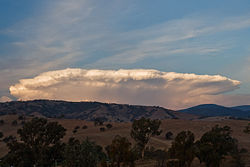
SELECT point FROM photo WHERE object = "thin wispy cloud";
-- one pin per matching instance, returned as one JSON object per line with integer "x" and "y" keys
{"x": 179, "y": 37}
{"x": 93, "y": 34}
{"x": 69, "y": 31}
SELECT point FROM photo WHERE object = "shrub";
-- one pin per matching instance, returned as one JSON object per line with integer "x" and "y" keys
{"x": 243, "y": 150}
{"x": 247, "y": 129}
{"x": 109, "y": 126}
{"x": 99, "y": 121}
{"x": 77, "y": 127}
{"x": 84, "y": 127}
{"x": 9, "y": 138}
{"x": 102, "y": 129}
{"x": 62, "y": 116}
{"x": 169, "y": 136}
{"x": 1, "y": 122}
{"x": 21, "y": 117}
{"x": 14, "y": 123}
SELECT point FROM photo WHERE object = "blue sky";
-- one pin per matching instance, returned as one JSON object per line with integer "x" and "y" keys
{"x": 201, "y": 37}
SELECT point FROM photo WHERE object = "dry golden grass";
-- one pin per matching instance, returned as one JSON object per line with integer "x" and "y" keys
{"x": 198, "y": 127}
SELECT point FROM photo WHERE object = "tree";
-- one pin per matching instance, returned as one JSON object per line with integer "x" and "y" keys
{"x": 157, "y": 154}
{"x": 9, "y": 139}
{"x": 1, "y": 122}
{"x": 120, "y": 152}
{"x": 99, "y": 121}
{"x": 21, "y": 117}
{"x": 84, "y": 127}
{"x": 102, "y": 129}
{"x": 214, "y": 145}
{"x": 14, "y": 123}
{"x": 85, "y": 154}
{"x": 169, "y": 136}
{"x": 142, "y": 130}
{"x": 39, "y": 145}
{"x": 77, "y": 127}
{"x": 71, "y": 152}
{"x": 109, "y": 126}
{"x": 183, "y": 148}
{"x": 247, "y": 129}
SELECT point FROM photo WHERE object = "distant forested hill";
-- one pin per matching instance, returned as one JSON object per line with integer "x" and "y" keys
{"x": 212, "y": 110}
{"x": 86, "y": 110}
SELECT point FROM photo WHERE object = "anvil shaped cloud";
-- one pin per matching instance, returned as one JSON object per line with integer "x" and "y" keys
{"x": 136, "y": 86}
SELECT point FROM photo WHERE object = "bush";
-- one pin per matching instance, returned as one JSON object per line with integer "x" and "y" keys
{"x": 77, "y": 127}
{"x": 14, "y": 123}
{"x": 84, "y": 127}
{"x": 99, "y": 121}
{"x": 21, "y": 117}
{"x": 109, "y": 126}
{"x": 169, "y": 136}
{"x": 102, "y": 129}
{"x": 62, "y": 116}
{"x": 247, "y": 129}
{"x": 9, "y": 139}
{"x": 243, "y": 150}
{"x": 1, "y": 122}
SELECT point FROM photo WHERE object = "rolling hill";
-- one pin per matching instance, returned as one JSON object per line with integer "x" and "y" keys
{"x": 87, "y": 110}
{"x": 213, "y": 110}
{"x": 242, "y": 108}
{"x": 116, "y": 112}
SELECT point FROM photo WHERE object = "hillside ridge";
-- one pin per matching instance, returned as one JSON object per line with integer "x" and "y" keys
{"x": 213, "y": 110}
{"x": 86, "y": 110}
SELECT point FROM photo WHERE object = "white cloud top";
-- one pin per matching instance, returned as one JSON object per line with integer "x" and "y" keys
{"x": 137, "y": 86}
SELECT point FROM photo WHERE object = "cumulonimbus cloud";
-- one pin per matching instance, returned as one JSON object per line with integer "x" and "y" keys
{"x": 135, "y": 86}
{"x": 4, "y": 99}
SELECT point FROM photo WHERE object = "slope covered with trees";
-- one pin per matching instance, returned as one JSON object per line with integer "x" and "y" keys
{"x": 85, "y": 110}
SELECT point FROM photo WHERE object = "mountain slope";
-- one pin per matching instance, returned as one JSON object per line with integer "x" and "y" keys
{"x": 213, "y": 110}
{"x": 86, "y": 110}
{"x": 242, "y": 108}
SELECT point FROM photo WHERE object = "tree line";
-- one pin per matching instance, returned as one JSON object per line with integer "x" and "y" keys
{"x": 40, "y": 144}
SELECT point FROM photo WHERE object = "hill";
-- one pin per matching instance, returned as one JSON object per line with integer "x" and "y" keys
{"x": 242, "y": 108}
{"x": 87, "y": 110}
{"x": 213, "y": 110}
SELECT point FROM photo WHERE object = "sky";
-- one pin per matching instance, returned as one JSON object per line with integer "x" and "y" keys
{"x": 172, "y": 53}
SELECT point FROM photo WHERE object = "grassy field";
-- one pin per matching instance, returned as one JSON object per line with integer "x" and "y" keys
{"x": 198, "y": 127}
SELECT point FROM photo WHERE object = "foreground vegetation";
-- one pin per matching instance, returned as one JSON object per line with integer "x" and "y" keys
{"x": 39, "y": 143}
